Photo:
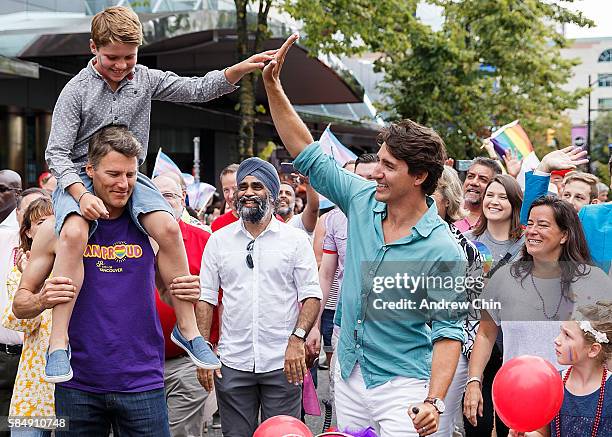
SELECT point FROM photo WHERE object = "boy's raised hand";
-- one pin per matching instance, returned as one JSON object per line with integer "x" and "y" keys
{"x": 256, "y": 62}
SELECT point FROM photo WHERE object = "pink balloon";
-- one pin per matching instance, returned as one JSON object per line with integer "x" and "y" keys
{"x": 282, "y": 426}
{"x": 527, "y": 393}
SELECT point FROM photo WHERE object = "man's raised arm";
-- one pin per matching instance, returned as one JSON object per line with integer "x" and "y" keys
{"x": 290, "y": 127}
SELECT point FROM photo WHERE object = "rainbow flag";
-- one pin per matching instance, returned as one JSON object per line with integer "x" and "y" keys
{"x": 511, "y": 137}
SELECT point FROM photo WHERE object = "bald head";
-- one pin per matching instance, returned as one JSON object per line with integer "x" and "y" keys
{"x": 10, "y": 188}
{"x": 172, "y": 192}
{"x": 175, "y": 177}
{"x": 10, "y": 177}
{"x": 168, "y": 183}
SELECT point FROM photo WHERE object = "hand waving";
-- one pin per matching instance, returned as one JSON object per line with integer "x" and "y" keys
{"x": 563, "y": 159}
{"x": 513, "y": 164}
{"x": 271, "y": 72}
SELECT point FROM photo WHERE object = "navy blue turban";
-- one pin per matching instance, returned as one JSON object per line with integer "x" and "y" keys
{"x": 263, "y": 171}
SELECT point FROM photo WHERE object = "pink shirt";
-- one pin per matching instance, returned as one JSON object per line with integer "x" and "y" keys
{"x": 464, "y": 225}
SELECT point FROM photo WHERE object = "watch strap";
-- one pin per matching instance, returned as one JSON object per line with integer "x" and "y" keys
{"x": 434, "y": 401}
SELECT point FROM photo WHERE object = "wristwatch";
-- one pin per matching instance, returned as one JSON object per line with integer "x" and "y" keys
{"x": 299, "y": 333}
{"x": 437, "y": 403}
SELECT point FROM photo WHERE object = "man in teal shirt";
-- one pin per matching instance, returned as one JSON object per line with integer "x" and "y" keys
{"x": 390, "y": 359}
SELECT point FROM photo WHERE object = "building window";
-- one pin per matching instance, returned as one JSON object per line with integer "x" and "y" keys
{"x": 604, "y": 80}
{"x": 605, "y": 103}
{"x": 606, "y": 56}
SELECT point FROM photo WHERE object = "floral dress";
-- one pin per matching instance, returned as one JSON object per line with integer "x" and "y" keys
{"x": 32, "y": 396}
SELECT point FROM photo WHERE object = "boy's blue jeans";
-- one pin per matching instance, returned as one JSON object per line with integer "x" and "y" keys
{"x": 144, "y": 199}
{"x": 129, "y": 414}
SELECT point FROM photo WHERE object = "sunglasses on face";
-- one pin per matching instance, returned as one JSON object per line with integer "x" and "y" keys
{"x": 249, "y": 257}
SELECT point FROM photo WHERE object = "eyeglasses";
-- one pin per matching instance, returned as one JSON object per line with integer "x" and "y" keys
{"x": 249, "y": 257}
{"x": 5, "y": 188}
{"x": 171, "y": 196}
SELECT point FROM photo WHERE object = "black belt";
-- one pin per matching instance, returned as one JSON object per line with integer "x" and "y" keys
{"x": 11, "y": 349}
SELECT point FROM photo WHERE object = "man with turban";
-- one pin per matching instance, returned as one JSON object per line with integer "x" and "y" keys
{"x": 266, "y": 268}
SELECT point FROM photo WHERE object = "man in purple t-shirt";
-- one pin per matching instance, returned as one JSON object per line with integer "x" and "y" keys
{"x": 116, "y": 338}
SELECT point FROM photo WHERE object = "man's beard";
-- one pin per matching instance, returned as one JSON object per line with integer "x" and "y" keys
{"x": 472, "y": 199}
{"x": 473, "y": 202}
{"x": 284, "y": 211}
{"x": 253, "y": 214}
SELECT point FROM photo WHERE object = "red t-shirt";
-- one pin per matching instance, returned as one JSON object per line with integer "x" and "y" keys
{"x": 195, "y": 240}
{"x": 223, "y": 220}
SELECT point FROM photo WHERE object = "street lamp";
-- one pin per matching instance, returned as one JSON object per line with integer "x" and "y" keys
{"x": 589, "y": 110}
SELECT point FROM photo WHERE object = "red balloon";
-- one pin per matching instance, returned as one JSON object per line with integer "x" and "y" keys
{"x": 527, "y": 393}
{"x": 282, "y": 426}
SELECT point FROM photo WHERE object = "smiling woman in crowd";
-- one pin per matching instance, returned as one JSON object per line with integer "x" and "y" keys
{"x": 545, "y": 286}
{"x": 498, "y": 236}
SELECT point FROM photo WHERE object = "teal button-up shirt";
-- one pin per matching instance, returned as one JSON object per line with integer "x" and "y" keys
{"x": 387, "y": 342}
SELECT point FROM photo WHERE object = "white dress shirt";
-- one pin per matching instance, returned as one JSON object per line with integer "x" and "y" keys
{"x": 9, "y": 241}
{"x": 10, "y": 222}
{"x": 260, "y": 305}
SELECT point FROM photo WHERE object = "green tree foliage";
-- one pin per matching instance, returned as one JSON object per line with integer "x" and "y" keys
{"x": 491, "y": 62}
{"x": 601, "y": 137}
{"x": 563, "y": 134}
{"x": 248, "y": 46}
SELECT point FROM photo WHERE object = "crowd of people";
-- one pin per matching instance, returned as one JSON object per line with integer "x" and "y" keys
{"x": 121, "y": 312}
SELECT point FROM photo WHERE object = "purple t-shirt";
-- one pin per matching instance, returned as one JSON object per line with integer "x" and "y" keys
{"x": 115, "y": 333}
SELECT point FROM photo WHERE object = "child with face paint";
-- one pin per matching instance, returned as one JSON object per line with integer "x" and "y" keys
{"x": 586, "y": 347}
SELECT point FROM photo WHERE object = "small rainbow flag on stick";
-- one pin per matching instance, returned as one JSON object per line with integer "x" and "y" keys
{"x": 511, "y": 137}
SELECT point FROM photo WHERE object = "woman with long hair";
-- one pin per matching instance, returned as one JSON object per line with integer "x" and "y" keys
{"x": 32, "y": 396}
{"x": 499, "y": 229}
{"x": 498, "y": 237}
{"x": 448, "y": 197}
{"x": 546, "y": 285}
